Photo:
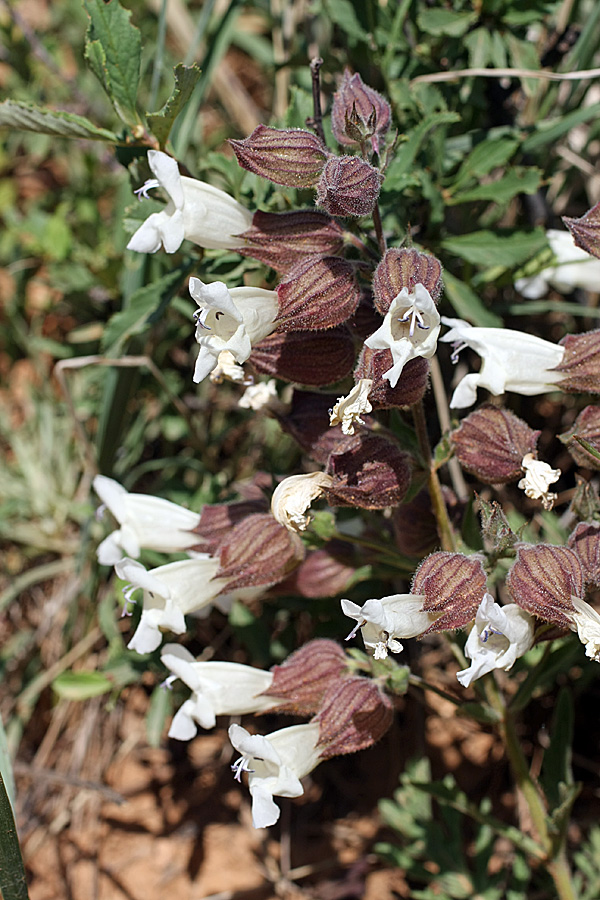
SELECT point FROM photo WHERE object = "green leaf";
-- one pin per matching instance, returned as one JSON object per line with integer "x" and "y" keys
{"x": 159, "y": 709}
{"x": 406, "y": 152}
{"x": 144, "y": 306}
{"x": 186, "y": 78}
{"x": 27, "y": 117}
{"x": 445, "y": 21}
{"x": 13, "y": 884}
{"x": 489, "y": 154}
{"x": 486, "y": 248}
{"x": 520, "y": 180}
{"x": 81, "y": 685}
{"x": 343, "y": 14}
{"x": 113, "y": 50}
{"x": 556, "y": 767}
{"x": 479, "y": 45}
{"x": 467, "y": 305}
{"x": 549, "y": 132}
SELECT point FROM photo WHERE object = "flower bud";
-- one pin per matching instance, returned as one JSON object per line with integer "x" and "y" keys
{"x": 308, "y": 423}
{"x": 405, "y": 269}
{"x": 586, "y": 230}
{"x": 259, "y": 551}
{"x": 284, "y": 156}
{"x": 410, "y": 387}
{"x": 302, "y": 680}
{"x": 580, "y": 366}
{"x": 359, "y": 112}
{"x": 585, "y": 541}
{"x": 496, "y": 530}
{"x": 586, "y": 426}
{"x": 543, "y": 579}
{"x": 354, "y": 715}
{"x": 348, "y": 186}
{"x": 453, "y": 585}
{"x": 327, "y": 572}
{"x": 369, "y": 472}
{"x": 314, "y": 358}
{"x": 317, "y": 294}
{"x": 217, "y": 521}
{"x": 491, "y": 443}
{"x": 293, "y": 496}
{"x": 585, "y": 503}
{"x": 281, "y": 240}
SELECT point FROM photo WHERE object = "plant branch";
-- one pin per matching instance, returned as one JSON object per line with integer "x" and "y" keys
{"x": 317, "y": 120}
{"x": 445, "y": 530}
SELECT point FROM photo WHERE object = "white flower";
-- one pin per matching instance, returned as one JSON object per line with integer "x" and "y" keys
{"x": 511, "y": 361}
{"x": 228, "y": 370}
{"x": 145, "y": 521}
{"x": 410, "y": 329}
{"x": 260, "y": 396}
{"x": 499, "y": 636}
{"x": 383, "y": 621}
{"x": 170, "y": 593}
{"x": 230, "y": 320}
{"x": 349, "y": 410}
{"x": 275, "y": 764}
{"x": 293, "y": 496}
{"x": 218, "y": 689}
{"x": 574, "y": 268}
{"x": 587, "y": 622}
{"x": 197, "y": 211}
{"x": 538, "y": 478}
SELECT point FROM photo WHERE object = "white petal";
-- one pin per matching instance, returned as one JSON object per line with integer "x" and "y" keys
{"x": 183, "y": 727}
{"x": 167, "y": 173}
{"x": 113, "y": 495}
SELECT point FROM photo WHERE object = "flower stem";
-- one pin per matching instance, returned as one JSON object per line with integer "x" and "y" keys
{"x": 317, "y": 120}
{"x": 438, "y": 503}
{"x": 379, "y": 230}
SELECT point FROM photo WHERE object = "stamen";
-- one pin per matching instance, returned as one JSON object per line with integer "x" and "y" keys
{"x": 355, "y": 629}
{"x": 241, "y": 765}
{"x": 168, "y": 682}
{"x": 100, "y": 512}
{"x": 128, "y": 590}
{"x": 416, "y": 318}
{"x": 487, "y": 633}
{"x": 457, "y": 348}
{"x": 149, "y": 185}
{"x": 200, "y": 317}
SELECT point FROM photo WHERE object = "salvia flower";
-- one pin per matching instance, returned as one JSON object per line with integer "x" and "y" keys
{"x": 228, "y": 370}
{"x": 587, "y": 622}
{"x": 544, "y": 579}
{"x": 538, "y": 478}
{"x": 293, "y": 496}
{"x": 145, "y": 522}
{"x": 382, "y": 622}
{"x": 231, "y": 320}
{"x": 196, "y": 211}
{"x": 500, "y": 635}
{"x": 410, "y": 328}
{"x": 511, "y": 361}
{"x": 275, "y": 764}
{"x": 218, "y": 689}
{"x": 359, "y": 112}
{"x": 491, "y": 443}
{"x": 349, "y": 410}
{"x": 573, "y": 268}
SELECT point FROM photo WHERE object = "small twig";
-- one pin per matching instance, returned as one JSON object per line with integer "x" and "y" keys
{"x": 542, "y": 74}
{"x": 441, "y": 401}
{"x": 379, "y": 230}
{"x": 317, "y": 120}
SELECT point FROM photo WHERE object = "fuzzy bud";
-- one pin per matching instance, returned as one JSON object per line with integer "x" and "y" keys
{"x": 217, "y": 521}
{"x": 284, "y": 156}
{"x": 359, "y": 112}
{"x": 585, "y": 541}
{"x": 580, "y": 366}
{"x": 410, "y": 387}
{"x": 301, "y": 681}
{"x": 405, "y": 269}
{"x": 369, "y": 472}
{"x": 587, "y": 427}
{"x": 317, "y": 294}
{"x": 491, "y": 443}
{"x": 282, "y": 240}
{"x": 496, "y": 530}
{"x": 314, "y": 358}
{"x": 543, "y": 579}
{"x": 354, "y": 715}
{"x": 327, "y": 572}
{"x": 453, "y": 585}
{"x": 258, "y": 551}
{"x": 585, "y": 503}
{"x": 586, "y": 230}
{"x": 348, "y": 186}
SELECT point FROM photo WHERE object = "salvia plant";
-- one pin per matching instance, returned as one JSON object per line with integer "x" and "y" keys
{"x": 340, "y": 287}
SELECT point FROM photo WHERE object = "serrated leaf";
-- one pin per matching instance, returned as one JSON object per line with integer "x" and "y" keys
{"x": 113, "y": 50}
{"x": 445, "y": 21}
{"x": 520, "y": 180}
{"x": 486, "y": 248}
{"x": 144, "y": 306}
{"x": 81, "y": 685}
{"x": 406, "y": 152}
{"x": 342, "y": 13}
{"x": 467, "y": 305}
{"x": 479, "y": 45}
{"x": 488, "y": 155}
{"x": 160, "y": 123}
{"x": 27, "y": 117}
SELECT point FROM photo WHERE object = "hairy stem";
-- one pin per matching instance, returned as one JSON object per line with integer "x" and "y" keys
{"x": 438, "y": 503}
{"x": 317, "y": 120}
{"x": 379, "y": 230}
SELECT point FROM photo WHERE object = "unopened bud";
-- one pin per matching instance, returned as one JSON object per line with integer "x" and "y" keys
{"x": 314, "y": 358}
{"x": 259, "y": 551}
{"x": 495, "y": 529}
{"x": 300, "y": 682}
{"x": 216, "y": 522}
{"x": 453, "y": 585}
{"x": 284, "y": 156}
{"x": 405, "y": 269}
{"x": 587, "y": 427}
{"x": 585, "y": 541}
{"x": 359, "y": 112}
{"x": 348, "y": 186}
{"x": 354, "y": 715}
{"x": 543, "y": 579}
{"x": 317, "y": 294}
{"x": 368, "y": 471}
{"x": 580, "y": 366}
{"x": 586, "y": 230}
{"x": 410, "y": 387}
{"x": 491, "y": 443}
{"x": 294, "y": 495}
{"x": 281, "y": 240}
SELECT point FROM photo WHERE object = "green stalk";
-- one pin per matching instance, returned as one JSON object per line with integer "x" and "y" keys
{"x": 445, "y": 530}
{"x": 13, "y": 883}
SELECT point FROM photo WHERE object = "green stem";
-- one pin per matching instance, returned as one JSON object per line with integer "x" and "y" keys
{"x": 445, "y": 530}
{"x": 379, "y": 230}
{"x": 13, "y": 883}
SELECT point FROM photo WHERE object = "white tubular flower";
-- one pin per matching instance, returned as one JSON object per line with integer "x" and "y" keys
{"x": 231, "y": 320}
{"x": 383, "y": 621}
{"x": 511, "y": 361}
{"x": 574, "y": 268}
{"x": 410, "y": 329}
{"x": 260, "y": 396}
{"x": 293, "y": 496}
{"x": 145, "y": 521}
{"x": 500, "y": 635}
{"x": 170, "y": 593}
{"x": 587, "y": 622}
{"x": 218, "y": 689}
{"x": 538, "y": 478}
{"x": 275, "y": 764}
{"x": 349, "y": 410}
{"x": 196, "y": 211}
